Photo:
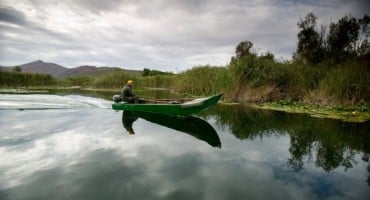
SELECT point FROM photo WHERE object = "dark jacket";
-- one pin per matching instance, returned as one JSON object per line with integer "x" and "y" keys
{"x": 127, "y": 94}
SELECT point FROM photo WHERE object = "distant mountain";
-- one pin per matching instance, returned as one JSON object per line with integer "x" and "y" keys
{"x": 85, "y": 70}
{"x": 41, "y": 67}
{"x": 95, "y": 71}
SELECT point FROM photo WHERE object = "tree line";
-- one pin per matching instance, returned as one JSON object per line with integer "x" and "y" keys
{"x": 336, "y": 43}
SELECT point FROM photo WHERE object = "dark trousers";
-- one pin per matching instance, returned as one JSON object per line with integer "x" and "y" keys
{"x": 131, "y": 99}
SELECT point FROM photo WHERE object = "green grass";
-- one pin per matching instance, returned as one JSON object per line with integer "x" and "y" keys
{"x": 204, "y": 80}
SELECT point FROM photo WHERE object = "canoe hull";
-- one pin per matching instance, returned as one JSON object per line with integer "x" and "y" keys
{"x": 185, "y": 109}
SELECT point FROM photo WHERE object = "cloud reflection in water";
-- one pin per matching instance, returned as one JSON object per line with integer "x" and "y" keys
{"x": 86, "y": 154}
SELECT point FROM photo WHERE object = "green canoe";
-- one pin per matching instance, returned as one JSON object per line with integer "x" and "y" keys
{"x": 170, "y": 107}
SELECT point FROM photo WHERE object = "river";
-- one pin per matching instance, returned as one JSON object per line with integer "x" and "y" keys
{"x": 76, "y": 147}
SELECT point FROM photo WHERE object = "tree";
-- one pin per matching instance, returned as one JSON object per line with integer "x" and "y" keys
{"x": 243, "y": 49}
{"x": 146, "y": 72}
{"x": 17, "y": 69}
{"x": 309, "y": 48}
{"x": 363, "y": 46}
{"x": 268, "y": 56}
{"x": 342, "y": 37}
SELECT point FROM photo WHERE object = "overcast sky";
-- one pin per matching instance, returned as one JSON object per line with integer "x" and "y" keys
{"x": 168, "y": 35}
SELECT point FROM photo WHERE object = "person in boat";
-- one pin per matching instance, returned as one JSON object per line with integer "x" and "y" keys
{"x": 127, "y": 95}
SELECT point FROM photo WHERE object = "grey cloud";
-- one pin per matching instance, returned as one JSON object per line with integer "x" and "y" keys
{"x": 98, "y": 6}
{"x": 12, "y": 16}
{"x": 162, "y": 7}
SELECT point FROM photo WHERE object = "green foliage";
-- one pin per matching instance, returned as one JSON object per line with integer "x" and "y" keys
{"x": 257, "y": 71}
{"x": 17, "y": 69}
{"x": 300, "y": 79}
{"x": 342, "y": 38}
{"x": 157, "y": 81}
{"x": 363, "y": 47}
{"x": 309, "y": 45}
{"x": 268, "y": 56}
{"x": 346, "y": 40}
{"x": 16, "y": 79}
{"x": 204, "y": 80}
{"x": 112, "y": 80}
{"x": 148, "y": 72}
{"x": 243, "y": 49}
{"x": 347, "y": 83}
{"x": 82, "y": 81}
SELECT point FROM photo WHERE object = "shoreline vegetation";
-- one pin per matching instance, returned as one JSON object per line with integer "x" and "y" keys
{"x": 329, "y": 75}
{"x": 348, "y": 113}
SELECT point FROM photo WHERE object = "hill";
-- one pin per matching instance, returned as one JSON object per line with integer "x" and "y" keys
{"x": 39, "y": 67}
{"x": 85, "y": 70}
{"x": 58, "y": 71}
{"x": 94, "y": 71}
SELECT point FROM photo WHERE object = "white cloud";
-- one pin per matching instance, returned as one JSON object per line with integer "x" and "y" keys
{"x": 165, "y": 35}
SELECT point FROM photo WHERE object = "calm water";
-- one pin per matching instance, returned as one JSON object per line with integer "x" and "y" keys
{"x": 76, "y": 147}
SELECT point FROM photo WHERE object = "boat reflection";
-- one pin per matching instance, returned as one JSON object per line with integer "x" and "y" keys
{"x": 128, "y": 118}
{"x": 193, "y": 126}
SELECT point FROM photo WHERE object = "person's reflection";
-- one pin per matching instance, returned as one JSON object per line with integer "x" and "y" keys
{"x": 128, "y": 118}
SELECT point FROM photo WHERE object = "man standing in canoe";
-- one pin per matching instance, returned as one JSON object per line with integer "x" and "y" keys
{"x": 127, "y": 95}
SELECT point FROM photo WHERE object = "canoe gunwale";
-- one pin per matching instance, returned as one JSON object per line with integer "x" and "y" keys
{"x": 195, "y": 102}
{"x": 179, "y": 109}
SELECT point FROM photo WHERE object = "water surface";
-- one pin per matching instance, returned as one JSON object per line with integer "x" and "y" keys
{"x": 84, "y": 151}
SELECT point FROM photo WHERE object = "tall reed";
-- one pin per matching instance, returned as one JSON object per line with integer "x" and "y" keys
{"x": 17, "y": 79}
{"x": 157, "y": 81}
{"x": 204, "y": 80}
{"x": 347, "y": 83}
{"x": 113, "y": 80}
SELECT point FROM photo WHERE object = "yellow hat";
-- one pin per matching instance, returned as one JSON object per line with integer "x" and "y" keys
{"x": 130, "y": 82}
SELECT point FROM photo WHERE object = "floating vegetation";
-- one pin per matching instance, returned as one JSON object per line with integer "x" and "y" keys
{"x": 357, "y": 113}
